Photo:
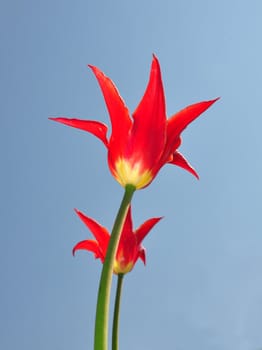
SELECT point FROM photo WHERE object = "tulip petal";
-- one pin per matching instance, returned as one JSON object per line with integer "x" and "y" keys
{"x": 96, "y": 128}
{"x": 127, "y": 243}
{"x": 100, "y": 233}
{"x": 180, "y": 160}
{"x": 144, "y": 229}
{"x": 91, "y": 246}
{"x": 118, "y": 112}
{"x": 149, "y": 129}
{"x": 142, "y": 254}
{"x": 128, "y": 224}
{"x": 178, "y": 122}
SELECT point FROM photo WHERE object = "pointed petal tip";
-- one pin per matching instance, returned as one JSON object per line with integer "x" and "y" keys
{"x": 92, "y": 67}
{"x": 155, "y": 57}
{"x": 96, "y": 71}
{"x": 196, "y": 176}
{"x": 191, "y": 170}
{"x": 142, "y": 255}
{"x": 155, "y": 62}
{"x": 156, "y": 219}
{"x": 78, "y": 212}
{"x": 179, "y": 160}
{"x": 74, "y": 250}
{"x": 216, "y": 99}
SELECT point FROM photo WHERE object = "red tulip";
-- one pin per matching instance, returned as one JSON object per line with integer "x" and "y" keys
{"x": 140, "y": 144}
{"x": 130, "y": 245}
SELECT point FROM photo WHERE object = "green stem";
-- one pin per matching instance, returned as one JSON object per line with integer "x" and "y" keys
{"x": 103, "y": 300}
{"x": 120, "y": 278}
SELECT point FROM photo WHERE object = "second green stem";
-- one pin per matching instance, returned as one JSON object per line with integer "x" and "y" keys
{"x": 115, "y": 329}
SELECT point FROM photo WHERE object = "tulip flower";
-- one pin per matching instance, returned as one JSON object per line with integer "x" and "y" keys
{"x": 129, "y": 248}
{"x": 141, "y": 144}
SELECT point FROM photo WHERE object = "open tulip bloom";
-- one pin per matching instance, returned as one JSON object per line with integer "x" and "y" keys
{"x": 140, "y": 144}
{"x": 129, "y": 250}
{"x": 138, "y": 147}
{"x": 130, "y": 244}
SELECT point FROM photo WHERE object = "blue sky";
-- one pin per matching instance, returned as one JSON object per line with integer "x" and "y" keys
{"x": 202, "y": 286}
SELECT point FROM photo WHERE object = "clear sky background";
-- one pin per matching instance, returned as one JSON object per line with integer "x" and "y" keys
{"x": 202, "y": 286}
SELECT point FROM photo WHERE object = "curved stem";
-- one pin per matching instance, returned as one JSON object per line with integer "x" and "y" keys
{"x": 115, "y": 332}
{"x": 103, "y": 299}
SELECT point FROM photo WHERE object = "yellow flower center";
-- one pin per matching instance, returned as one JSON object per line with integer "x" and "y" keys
{"x": 122, "y": 268}
{"x": 127, "y": 174}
